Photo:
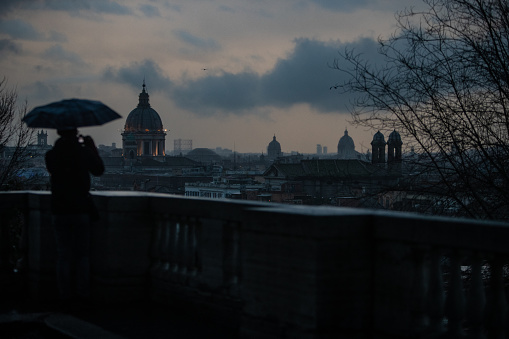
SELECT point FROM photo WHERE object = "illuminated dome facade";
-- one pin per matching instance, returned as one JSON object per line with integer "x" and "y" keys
{"x": 143, "y": 133}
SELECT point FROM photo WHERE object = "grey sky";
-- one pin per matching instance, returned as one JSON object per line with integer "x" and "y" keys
{"x": 217, "y": 71}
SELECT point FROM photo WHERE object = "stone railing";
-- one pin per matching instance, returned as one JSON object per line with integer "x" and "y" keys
{"x": 271, "y": 270}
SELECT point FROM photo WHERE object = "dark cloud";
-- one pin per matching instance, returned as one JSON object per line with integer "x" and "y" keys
{"x": 134, "y": 74}
{"x": 58, "y": 53}
{"x": 22, "y": 30}
{"x": 303, "y": 77}
{"x": 149, "y": 11}
{"x": 19, "y": 29}
{"x": 40, "y": 92}
{"x": 9, "y": 46}
{"x": 195, "y": 41}
{"x": 225, "y": 93}
{"x": 343, "y": 5}
{"x": 75, "y": 7}
{"x": 6, "y": 6}
{"x": 93, "y": 6}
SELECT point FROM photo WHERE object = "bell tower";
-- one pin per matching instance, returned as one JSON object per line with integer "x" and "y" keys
{"x": 394, "y": 147}
{"x": 378, "y": 148}
{"x": 42, "y": 138}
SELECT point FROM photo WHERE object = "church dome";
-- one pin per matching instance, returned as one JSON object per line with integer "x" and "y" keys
{"x": 274, "y": 148}
{"x": 378, "y": 138}
{"x": 394, "y": 138}
{"x": 143, "y": 118}
{"x": 346, "y": 147}
{"x": 346, "y": 142}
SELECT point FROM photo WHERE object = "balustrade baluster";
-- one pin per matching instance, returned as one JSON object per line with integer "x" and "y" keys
{"x": 420, "y": 320}
{"x": 165, "y": 248}
{"x": 156, "y": 248}
{"x": 192, "y": 244}
{"x": 173, "y": 248}
{"x": 436, "y": 295}
{"x": 455, "y": 301}
{"x": 477, "y": 300}
{"x": 231, "y": 256}
{"x": 496, "y": 309}
{"x": 182, "y": 251}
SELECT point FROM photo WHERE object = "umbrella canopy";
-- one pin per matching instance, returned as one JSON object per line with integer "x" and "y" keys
{"x": 69, "y": 114}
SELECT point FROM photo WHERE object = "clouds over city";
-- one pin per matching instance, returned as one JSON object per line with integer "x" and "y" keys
{"x": 303, "y": 76}
{"x": 256, "y": 63}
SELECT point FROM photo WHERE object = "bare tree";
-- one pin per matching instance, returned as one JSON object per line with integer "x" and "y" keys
{"x": 445, "y": 87}
{"x": 15, "y": 137}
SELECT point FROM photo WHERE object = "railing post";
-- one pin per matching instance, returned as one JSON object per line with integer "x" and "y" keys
{"x": 231, "y": 257}
{"x": 455, "y": 301}
{"x": 157, "y": 248}
{"x": 436, "y": 294}
{"x": 420, "y": 319}
{"x": 496, "y": 309}
{"x": 476, "y": 299}
{"x": 174, "y": 234}
{"x": 182, "y": 250}
{"x": 192, "y": 247}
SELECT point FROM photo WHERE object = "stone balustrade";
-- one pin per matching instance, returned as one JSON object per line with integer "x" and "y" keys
{"x": 274, "y": 271}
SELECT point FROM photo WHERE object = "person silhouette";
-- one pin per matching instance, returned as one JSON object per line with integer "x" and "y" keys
{"x": 70, "y": 162}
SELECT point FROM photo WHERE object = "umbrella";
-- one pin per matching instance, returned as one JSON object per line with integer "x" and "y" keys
{"x": 70, "y": 113}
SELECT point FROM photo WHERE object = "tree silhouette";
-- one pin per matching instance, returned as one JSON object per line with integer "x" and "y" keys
{"x": 15, "y": 137}
{"x": 445, "y": 87}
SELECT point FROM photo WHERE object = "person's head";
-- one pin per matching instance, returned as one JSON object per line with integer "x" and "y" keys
{"x": 68, "y": 133}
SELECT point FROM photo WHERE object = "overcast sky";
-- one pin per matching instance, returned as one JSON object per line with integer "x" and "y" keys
{"x": 219, "y": 72}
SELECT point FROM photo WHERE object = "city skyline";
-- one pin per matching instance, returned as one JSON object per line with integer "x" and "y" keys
{"x": 222, "y": 73}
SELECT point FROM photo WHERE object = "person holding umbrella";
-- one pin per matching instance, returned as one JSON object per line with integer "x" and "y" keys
{"x": 70, "y": 163}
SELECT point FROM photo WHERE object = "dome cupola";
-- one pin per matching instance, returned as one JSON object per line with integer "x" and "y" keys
{"x": 346, "y": 147}
{"x": 143, "y": 133}
{"x": 394, "y": 138}
{"x": 143, "y": 118}
{"x": 274, "y": 148}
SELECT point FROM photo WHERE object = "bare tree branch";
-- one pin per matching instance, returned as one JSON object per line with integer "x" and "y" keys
{"x": 445, "y": 87}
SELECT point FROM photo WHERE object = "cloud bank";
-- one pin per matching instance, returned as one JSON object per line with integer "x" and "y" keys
{"x": 304, "y": 76}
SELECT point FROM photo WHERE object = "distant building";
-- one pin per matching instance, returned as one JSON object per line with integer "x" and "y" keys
{"x": 204, "y": 156}
{"x": 325, "y": 150}
{"x": 144, "y": 135}
{"x": 318, "y": 149}
{"x": 332, "y": 181}
{"x": 274, "y": 149}
{"x": 346, "y": 147}
{"x": 42, "y": 138}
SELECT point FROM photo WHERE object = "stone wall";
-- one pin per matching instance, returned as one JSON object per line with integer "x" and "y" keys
{"x": 276, "y": 271}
